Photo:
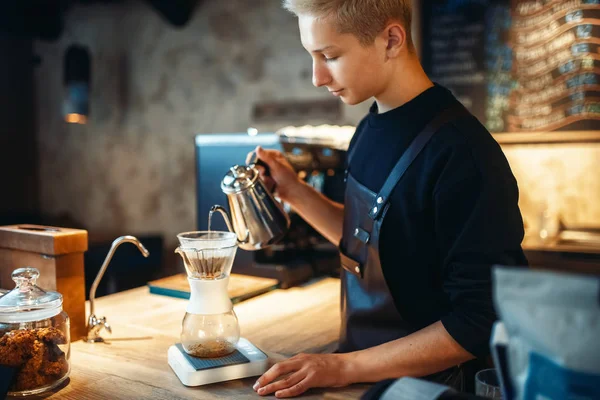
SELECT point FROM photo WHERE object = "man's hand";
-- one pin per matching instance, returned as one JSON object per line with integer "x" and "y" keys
{"x": 305, "y": 371}
{"x": 282, "y": 175}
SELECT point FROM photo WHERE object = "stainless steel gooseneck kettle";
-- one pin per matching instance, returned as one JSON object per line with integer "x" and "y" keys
{"x": 257, "y": 218}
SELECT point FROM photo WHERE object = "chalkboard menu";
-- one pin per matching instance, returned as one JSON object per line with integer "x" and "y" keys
{"x": 518, "y": 65}
{"x": 556, "y": 65}
{"x": 453, "y": 49}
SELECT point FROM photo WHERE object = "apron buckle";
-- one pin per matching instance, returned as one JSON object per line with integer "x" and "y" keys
{"x": 362, "y": 235}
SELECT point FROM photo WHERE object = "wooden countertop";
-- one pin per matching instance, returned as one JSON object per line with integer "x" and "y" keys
{"x": 133, "y": 365}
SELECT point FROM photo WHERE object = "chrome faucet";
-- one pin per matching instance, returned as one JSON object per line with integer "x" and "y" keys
{"x": 96, "y": 324}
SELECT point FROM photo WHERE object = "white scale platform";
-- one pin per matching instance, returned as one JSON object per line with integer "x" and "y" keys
{"x": 245, "y": 362}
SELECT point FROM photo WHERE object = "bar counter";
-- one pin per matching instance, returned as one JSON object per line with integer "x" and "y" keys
{"x": 133, "y": 362}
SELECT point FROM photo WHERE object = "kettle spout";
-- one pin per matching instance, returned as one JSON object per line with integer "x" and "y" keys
{"x": 223, "y": 212}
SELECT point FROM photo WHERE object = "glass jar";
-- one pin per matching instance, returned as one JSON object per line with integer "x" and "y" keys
{"x": 34, "y": 335}
{"x": 209, "y": 336}
{"x": 210, "y": 327}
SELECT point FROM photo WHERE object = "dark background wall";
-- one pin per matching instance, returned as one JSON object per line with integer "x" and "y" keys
{"x": 154, "y": 86}
{"x": 130, "y": 170}
{"x": 19, "y": 188}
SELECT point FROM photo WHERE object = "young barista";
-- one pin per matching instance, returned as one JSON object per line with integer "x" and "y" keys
{"x": 430, "y": 206}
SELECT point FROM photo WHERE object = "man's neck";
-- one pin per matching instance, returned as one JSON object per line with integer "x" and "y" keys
{"x": 408, "y": 81}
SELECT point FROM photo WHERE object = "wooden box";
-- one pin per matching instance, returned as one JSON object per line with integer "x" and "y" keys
{"x": 58, "y": 254}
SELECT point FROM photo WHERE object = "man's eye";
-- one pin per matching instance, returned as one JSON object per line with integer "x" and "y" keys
{"x": 328, "y": 59}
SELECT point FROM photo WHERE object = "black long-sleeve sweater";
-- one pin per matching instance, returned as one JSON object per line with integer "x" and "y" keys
{"x": 452, "y": 217}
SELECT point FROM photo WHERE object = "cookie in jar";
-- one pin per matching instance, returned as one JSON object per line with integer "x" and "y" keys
{"x": 34, "y": 336}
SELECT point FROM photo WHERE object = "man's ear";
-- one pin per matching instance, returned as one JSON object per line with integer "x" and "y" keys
{"x": 395, "y": 35}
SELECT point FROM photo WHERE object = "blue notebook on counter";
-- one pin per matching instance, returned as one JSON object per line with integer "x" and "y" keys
{"x": 241, "y": 287}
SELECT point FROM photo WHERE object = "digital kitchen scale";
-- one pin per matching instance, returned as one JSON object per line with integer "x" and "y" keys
{"x": 246, "y": 361}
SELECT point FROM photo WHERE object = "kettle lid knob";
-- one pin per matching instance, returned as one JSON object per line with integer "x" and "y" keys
{"x": 238, "y": 178}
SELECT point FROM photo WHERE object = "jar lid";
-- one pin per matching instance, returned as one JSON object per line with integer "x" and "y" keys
{"x": 27, "y": 302}
{"x": 239, "y": 178}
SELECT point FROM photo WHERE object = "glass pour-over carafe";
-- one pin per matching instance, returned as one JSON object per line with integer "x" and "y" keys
{"x": 210, "y": 327}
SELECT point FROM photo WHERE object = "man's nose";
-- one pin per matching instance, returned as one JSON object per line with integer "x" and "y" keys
{"x": 321, "y": 76}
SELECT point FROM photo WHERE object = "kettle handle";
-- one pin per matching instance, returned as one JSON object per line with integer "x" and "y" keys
{"x": 223, "y": 212}
{"x": 264, "y": 165}
{"x": 254, "y": 161}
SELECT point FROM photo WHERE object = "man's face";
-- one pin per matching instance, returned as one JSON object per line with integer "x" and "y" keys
{"x": 340, "y": 63}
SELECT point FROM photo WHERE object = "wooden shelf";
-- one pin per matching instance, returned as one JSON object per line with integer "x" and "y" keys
{"x": 507, "y": 138}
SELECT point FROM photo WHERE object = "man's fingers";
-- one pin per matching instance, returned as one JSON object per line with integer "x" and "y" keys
{"x": 285, "y": 383}
{"x": 277, "y": 370}
{"x": 295, "y": 390}
{"x": 269, "y": 156}
{"x": 273, "y": 158}
{"x": 269, "y": 183}
{"x": 267, "y": 153}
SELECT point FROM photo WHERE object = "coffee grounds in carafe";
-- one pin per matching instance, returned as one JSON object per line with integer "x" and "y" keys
{"x": 211, "y": 349}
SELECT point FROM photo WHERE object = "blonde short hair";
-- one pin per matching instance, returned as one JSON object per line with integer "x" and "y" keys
{"x": 363, "y": 18}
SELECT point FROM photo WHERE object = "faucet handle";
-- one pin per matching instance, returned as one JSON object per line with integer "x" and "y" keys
{"x": 95, "y": 325}
{"x": 106, "y": 325}
{"x": 103, "y": 324}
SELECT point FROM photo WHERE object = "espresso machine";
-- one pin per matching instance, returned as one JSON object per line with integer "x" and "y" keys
{"x": 318, "y": 154}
